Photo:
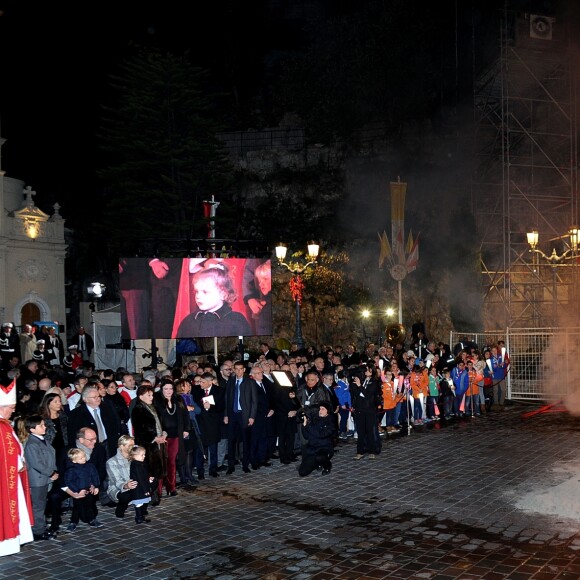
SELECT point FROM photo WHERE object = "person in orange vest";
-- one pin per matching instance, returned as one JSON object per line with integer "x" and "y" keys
{"x": 472, "y": 408}
{"x": 420, "y": 388}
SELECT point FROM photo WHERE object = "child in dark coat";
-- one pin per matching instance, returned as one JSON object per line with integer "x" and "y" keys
{"x": 140, "y": 495}
{"x": 82, "y": 479}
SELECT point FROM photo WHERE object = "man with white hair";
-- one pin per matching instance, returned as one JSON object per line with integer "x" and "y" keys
{"x": 101, "y": 418}
{"x": 15, "y": 528}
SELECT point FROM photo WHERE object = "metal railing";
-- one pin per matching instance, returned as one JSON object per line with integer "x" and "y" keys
{"x": 535, "y": 354}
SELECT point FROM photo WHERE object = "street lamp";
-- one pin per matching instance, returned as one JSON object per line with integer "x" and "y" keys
{"x": 95, "y": 290}
{"x": 555, "y": 260}
{"x": 366, "y": 314}
{"x": 297, "y": 268}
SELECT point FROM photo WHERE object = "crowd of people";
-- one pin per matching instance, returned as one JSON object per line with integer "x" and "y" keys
{"x": 102, "y": 438}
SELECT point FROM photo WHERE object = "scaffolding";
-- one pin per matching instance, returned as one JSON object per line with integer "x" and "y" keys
{"x": 526, "y": 169}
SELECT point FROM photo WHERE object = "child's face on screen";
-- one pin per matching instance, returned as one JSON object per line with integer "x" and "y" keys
{"x": 264, "y": 282}
{"x": 207, "y": 294}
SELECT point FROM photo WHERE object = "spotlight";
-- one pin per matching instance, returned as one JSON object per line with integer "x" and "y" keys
{"x": 96, "y": 289}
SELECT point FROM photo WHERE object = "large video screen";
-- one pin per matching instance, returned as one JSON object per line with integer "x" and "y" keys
{"x": 195, "y": 297}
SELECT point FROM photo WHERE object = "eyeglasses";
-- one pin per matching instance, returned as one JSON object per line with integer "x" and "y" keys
{"x": 89, "y": 440}
{"x": 95, "y": 397}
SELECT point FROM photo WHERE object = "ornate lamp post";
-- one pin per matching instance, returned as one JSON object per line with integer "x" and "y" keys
{"x": 95, "y": 290}
{"x": 554, "y": 260}
{"x": 296, "y": 284}
{"x": 366, "y": 314}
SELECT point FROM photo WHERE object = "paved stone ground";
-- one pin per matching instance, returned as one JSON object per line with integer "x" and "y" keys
{"x": 437, "y": 504}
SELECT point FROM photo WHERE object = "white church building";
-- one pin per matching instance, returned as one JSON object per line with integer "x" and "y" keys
{"x": 32, "y": 256}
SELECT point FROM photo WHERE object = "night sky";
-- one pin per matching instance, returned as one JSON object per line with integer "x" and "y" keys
{"x": 56, "y": 61}
{"x": 57, "y": 57}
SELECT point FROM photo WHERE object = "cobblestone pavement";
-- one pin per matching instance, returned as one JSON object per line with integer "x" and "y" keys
{"x": 435, "y": 504}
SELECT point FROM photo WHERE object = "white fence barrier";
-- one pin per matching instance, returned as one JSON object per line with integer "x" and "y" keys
{"x": 535, "y": 354}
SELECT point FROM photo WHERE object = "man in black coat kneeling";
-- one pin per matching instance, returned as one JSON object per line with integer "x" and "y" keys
{"x": 319, "y": 431}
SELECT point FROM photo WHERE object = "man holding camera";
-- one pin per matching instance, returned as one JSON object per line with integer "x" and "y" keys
{"x": 312, "y": 393}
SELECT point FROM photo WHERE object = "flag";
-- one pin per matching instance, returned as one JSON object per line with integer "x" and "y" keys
{"x": 413, "y": 256}
{"x": 409, "y": 245}
{"x": 398, "y": 192}
{"x": 385, "y": 249}
{"x": 400, "y": 248}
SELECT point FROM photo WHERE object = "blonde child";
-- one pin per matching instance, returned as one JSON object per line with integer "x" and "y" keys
{"x": 214, "y": 293}
{"x": 140, "y": 495}
{"x": 82, "y": 480}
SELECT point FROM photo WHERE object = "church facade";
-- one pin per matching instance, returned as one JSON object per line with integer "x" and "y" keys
{"x": 32, "y": 258}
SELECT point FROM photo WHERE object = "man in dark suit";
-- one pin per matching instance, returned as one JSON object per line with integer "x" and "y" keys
{"x": 241, "y": 406}
{"x": 352, "y": 357}
{"x": 84, "y": 342}
{"x": 259, "y": 454}
{"x": 88, "y": 413}
{"x": 210, "y": 397}
{"x": 268, "y": 353}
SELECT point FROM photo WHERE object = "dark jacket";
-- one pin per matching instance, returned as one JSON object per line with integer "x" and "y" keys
{"x": 81, "y": 417}
{"x": 89, "y": 342}
{"x": 81, "y": 476}
{"x": 145, "y": 432}
{"x": 248, "y": 398}
{"x": 320, "y": 433}
{"x": 120, "y": 407}
{"x": 180, "y": 415}
{"x": 264, "y": 398}
{"x": 333, "y": 396}
{"x": 366, "y": 399}
{"x": 211, "y": 420}
{"x": 310, "y": 398}
{"x": 283, "y": 404}
{"x": 138, "y": 472}
{"x": 222, "y": 322}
